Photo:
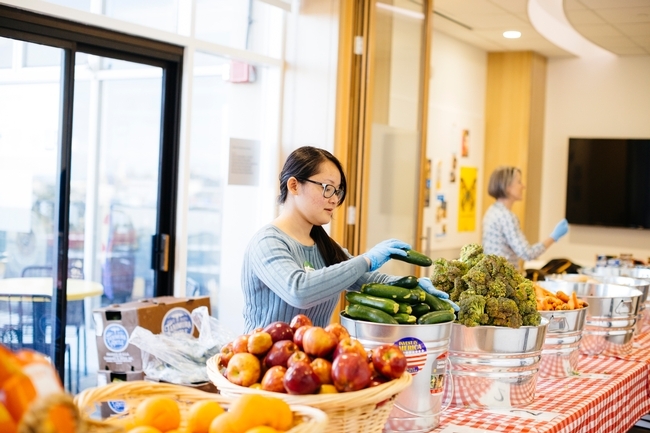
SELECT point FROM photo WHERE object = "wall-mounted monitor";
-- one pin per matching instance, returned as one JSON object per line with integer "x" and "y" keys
{"x": 608, "y": 182}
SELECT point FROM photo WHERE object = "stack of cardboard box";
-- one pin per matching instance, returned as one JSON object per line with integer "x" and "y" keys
{"x": 121, "y": 361}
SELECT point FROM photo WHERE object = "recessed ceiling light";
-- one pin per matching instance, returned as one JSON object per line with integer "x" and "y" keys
{"x": 512, "y": 34}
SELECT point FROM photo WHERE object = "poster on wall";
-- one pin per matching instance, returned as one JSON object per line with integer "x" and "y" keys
{"x": 467, "y": 199}
{"x": 438, "y": 174}
{"x": 440, "y": 225}
{"x": 464, "y": 144}
{"x": 244, "y": 162}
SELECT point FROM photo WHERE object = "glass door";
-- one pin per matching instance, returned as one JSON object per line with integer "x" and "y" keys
{"x": 88, "y": 154}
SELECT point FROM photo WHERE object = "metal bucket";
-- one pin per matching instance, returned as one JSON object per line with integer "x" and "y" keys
{"x": 638, "y": 272}
{"x": 495, "y": 366}
{"x": 602, "y": 271}
{"x": 560, "y": 351}
{"x": 642, "y": 323}
{"x": 418, "y": 407}
{"x": 612, "y": 312}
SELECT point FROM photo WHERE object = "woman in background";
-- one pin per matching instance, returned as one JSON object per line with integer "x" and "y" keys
{"x": 292, "y": 265}
{"x": 501, "y": 232}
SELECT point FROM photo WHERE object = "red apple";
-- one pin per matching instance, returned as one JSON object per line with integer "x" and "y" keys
{"x": 317, "y": 342}
{"x": 299, "y": 334}
{"x": 350, "y": 372}
{"x": 338, "y": 330}
{"x": 297, "y": 356}
{"x": 259, "y": 343}
{"x": 299, "y": 320}
{"x": 376, "y": 381}
{"x": 323, "y": 369}
{"x": 349, "y": 345}
{"x": 300, "y": 379}
{"x": 225, "y": 354}
{"x": 243, "y": 369}
{"x": 389, "y": 360}
{"x": 279, "y": 331}
{"x": 240, "y": 344}
{"x": 273, "y": 379}
{"x": 279, "y": 353}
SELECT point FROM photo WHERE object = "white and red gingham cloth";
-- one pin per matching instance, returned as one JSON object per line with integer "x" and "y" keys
{"x": 584, "y": 404}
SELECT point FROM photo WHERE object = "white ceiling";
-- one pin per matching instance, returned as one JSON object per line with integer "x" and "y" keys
{"x": 620, "y": 26}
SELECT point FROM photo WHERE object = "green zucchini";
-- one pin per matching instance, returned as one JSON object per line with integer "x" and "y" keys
{"x": 436, "y": 303}
{"x": 420, "y": 309}
{"x": 410, "y": 282}
{"x": 436, "y": 317}
{"x": 398, "y": 294}
{"x": 383, "y": 304}
{"x": 361, "y": 312}
{"x": 405, "y": 318}
{"x": 405, "y": 308}
{"x": 420, "y": 294}
{"x": 413, "y": 257}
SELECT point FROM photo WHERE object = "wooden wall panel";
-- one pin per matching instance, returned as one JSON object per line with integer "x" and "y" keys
{"x": 514, "y": 117}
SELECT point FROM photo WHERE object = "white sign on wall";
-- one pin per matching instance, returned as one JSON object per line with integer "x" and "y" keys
{"x": 244, "y": 162}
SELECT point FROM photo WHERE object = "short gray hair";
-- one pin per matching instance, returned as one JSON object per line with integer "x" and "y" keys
{"x": 500, "y": 179}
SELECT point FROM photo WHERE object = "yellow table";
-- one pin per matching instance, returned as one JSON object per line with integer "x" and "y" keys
{"x": 77, "y": 289}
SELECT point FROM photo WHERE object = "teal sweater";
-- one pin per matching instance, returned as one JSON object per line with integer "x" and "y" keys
{"x": 277, "y": 285}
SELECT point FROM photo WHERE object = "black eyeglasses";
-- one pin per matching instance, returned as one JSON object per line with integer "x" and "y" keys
{"x": 328, "y": 190}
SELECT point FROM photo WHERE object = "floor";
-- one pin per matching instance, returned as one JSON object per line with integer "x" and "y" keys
{"x": 642, "y": 426}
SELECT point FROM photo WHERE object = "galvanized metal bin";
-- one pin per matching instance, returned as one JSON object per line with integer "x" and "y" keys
{"x": 560, "y": 353}
{"x": 642, "y": 322}
{"x": 417, "y": 409}
{"x": 612, "y": 314}
{"x": 495, "y": 366}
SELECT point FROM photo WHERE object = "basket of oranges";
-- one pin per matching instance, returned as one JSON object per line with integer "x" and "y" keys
{"x": 150, "y": 407}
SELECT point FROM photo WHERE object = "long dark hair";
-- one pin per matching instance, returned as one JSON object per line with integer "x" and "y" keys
{"x": 303, "y": 163}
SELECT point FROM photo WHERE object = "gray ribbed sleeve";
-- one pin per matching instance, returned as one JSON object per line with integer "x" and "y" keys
{"x": 277, "y": 286}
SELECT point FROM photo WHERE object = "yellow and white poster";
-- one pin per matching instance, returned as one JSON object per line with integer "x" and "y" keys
{"x": 467, "y": 199}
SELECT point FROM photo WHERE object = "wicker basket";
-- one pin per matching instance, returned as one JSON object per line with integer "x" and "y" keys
{"x": 307, "y": 419}
{"x": 365, "y": 411}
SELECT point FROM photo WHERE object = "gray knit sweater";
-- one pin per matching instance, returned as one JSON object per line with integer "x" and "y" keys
{"x": 277, "y": 284}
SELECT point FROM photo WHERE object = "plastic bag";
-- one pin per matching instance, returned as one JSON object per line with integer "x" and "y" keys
{"x": 180, "y": 358}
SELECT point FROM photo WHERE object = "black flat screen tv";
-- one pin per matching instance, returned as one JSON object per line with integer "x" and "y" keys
{"x": 608, "y": 182}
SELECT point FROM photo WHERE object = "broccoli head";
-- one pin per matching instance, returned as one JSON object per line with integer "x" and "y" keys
{"x": 471, "y": 254}
{"x": 445, "y": 272}
{"x": 472, "y": 309}
{"x": 503, "y": 312}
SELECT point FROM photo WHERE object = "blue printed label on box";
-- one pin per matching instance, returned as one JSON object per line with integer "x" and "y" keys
{"x": 116, "y": 338}
{"x": 117, "y": 406}
{"x": 177, "y": 320}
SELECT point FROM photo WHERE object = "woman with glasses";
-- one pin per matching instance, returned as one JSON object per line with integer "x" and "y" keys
{"x": 292, "y": 266}
{"x": 501, "y": 232}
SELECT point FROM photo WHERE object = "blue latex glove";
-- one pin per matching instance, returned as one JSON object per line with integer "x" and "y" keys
{"x": 380, "y": 253}
{"x": 427, "y": 285}
{"x": 560, "y": 230}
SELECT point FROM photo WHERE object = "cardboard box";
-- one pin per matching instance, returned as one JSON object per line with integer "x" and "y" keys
{"x": 114, "y": 324}
{"x": 104, "y": 377}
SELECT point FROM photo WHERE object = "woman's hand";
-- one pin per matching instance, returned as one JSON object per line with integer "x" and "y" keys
{"x": 380, "y": 253}
{"x": 560, "y": 230}
{"x": 427, "y": 285}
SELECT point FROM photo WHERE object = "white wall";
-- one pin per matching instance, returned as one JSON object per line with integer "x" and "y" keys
{"x": 456, "y": 102}
{"x": 591, "y": 98}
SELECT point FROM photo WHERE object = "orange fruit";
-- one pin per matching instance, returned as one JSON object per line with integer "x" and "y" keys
{"x": 223, "y": 424}
{"x": 144, "y": 429}
{"x": 7, "y": 423}
{"x": 252, "y": 410}
{"x": 162, "y": 413}
{"x": 201, "y": 415}
{"x": 262, "y": 429}
{"x": 328, "y": 389}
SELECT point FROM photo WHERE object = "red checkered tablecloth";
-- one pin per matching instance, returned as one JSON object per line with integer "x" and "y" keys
{"x": 585, "y": 404}
{"x": 640, "y": 349}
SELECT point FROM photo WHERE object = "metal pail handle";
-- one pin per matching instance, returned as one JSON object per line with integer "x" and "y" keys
{"x": 560, "y": 323}
{"x": 629, "y": 309}
{"x": 443, "y": 408}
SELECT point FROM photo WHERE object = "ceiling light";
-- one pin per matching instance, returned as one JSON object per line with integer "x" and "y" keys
{"x": 512, "y": 34}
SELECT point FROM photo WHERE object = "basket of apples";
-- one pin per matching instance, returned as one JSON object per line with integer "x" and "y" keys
{"x": 314, "y": 366}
